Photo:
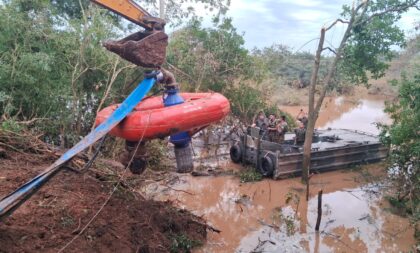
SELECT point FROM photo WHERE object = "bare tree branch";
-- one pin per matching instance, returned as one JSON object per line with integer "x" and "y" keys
{"x": 330, "y": 49}
{"x": 397, "y": 8}
{"x": 182, "y": 72}
{"x": 335, "y": 22}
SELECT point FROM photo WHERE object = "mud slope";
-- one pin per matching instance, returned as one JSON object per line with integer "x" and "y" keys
{"x": 52, "y": 217}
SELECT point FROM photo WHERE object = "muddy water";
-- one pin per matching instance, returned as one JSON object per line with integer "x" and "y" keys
{"x": 256, "y": 217}
{"x": 349, "y": 112}
{"x": 273, "y": 216}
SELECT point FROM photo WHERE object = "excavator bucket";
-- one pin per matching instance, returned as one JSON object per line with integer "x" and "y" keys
{"x": 146, "y": 49}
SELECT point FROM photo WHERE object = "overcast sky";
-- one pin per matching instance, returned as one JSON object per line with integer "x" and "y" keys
{"x": 291, "y": 22}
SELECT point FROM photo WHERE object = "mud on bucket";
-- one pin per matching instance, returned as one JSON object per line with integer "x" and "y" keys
{"x": 146, "y": 49}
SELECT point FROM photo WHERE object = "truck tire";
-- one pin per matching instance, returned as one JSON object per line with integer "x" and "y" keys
{"x": 266, "y": 166}
{"x": 236, "y": 153}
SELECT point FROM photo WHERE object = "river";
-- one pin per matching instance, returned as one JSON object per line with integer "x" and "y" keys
{"x": 273, "y": 216}
{"x": 349, "y": 112}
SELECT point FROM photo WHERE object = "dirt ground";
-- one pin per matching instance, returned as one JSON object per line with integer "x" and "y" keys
{"x": 58, "y": 212}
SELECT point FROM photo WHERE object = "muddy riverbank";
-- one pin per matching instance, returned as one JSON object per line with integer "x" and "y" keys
{"x": 90, "y": 212}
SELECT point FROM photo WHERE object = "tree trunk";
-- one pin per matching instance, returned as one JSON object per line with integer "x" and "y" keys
{"x": 313, "y": 110}
{"x": 312, "y": 115}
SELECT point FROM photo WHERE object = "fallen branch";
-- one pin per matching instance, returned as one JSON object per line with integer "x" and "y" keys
{"x": 179, "y": 190}
{"x": 29, "y": 122}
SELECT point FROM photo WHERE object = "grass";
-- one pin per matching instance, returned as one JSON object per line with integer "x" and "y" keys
{"x": 250, "y": 175}
{"x": 183, "y": 244}
{"x": 290, "y": 225}
{"x": 67, "y": 220}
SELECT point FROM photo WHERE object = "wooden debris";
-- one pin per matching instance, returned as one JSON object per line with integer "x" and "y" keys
{"x": 3, "y": 153}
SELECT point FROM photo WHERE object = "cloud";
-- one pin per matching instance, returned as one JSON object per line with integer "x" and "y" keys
{"x": 304, "y": 3}
{"x": 288, "y": 22}
{"x": 409, "y": 20}
{"x": 291, "y": 22}
{"x": 306, "y": 15}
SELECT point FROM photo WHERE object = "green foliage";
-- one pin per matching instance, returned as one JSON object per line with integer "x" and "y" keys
{"x": 279, "y": 216}
{"x": 11, "y": 125}
{"x": 403, "y": 138}
{"x": 290, "y": 68}
{"x": 72, "y": 9}
{"x": 177, "y": 12}
{"x": 289, "y": 221}
{"x": 183, "y": 244}
{"x": 373, "y": 35}
{"x": 210, "y": 58}
{"x": 6, "y": 105}
{"x": 292, "y": 197}
{"x": 54, "y": 67}
{"x": 215, "y": 59}
{"x": 246, "y": 101}
{"x": 157, "y": 151}
{"x": 250, "y": 175}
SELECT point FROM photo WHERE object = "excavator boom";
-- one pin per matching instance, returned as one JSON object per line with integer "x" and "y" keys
{"x": 133, "y": 12}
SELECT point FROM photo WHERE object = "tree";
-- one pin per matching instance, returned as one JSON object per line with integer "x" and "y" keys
{"x": 177, "y": 12}
{"x": 215, "y": 59}
{"x": 54, "y": 69}
{"x": 56, "y": 75}
{"x": 403, "y": 139}
{"x": 370, "y": 33}
{"x": 210, "y": 58}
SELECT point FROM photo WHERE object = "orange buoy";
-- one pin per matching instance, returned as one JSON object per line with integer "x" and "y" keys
{"x": 151, "y": 119}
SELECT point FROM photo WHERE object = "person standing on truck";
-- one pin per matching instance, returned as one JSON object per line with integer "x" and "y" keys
{"x": 300, "y": 132}
{"x": 260, "y": 121}
{"x": 272, "y": 128}
{"x": 302, "y": 117}
{"x": 282, "y": 129}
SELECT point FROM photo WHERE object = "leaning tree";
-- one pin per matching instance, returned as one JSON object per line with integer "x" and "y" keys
{"x": 370, "y": 34}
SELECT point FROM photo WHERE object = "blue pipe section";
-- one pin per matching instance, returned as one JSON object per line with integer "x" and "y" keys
{"x": 12, "y": 201}
{"x": 182, "y": 139}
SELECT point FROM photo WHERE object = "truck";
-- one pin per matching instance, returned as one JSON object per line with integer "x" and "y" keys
{"x": 332, "y": 149}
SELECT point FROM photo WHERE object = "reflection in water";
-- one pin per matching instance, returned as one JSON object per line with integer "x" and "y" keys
{"x": 342, "y": 112}
{"x": 353, "y": 221}
{"x": 255, "y": 216}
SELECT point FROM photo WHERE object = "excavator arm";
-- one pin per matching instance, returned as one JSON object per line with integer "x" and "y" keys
{"x": 145, "y": 48}
{"x": 133, "y": 12}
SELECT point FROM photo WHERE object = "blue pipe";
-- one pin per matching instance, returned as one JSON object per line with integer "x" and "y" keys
{"x": 12, "y": 201}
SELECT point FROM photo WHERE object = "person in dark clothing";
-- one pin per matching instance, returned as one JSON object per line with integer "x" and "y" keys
{"x": 272, "y": 128}
{"x": 262, "y": 123}
{"x": 300, "y": 133}
{"x": 282, "y": 128}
